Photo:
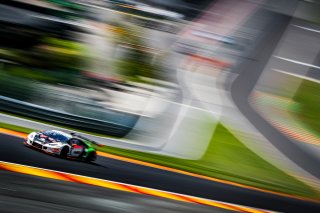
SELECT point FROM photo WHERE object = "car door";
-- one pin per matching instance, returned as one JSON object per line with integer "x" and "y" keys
{"x": 77, "y": 148}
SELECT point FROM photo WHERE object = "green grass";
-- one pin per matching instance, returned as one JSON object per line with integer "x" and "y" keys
{"x": 65, "y": 76}
{"x": 308, "y": 98}
{"x": 16, "y": 128}
{"x": 226, "y": 158}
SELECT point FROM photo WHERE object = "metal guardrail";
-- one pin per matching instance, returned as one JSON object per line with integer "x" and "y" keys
{"x": 119, "y": 129}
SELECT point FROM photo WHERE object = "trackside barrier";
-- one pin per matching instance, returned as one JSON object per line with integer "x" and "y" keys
{"x": 120, "y": 128}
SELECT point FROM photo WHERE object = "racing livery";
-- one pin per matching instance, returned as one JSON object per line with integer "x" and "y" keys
{"x": 62, "y": 144}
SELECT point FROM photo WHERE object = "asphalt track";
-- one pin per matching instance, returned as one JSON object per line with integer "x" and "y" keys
{"x": 249, "y": 73}
{"x": 26, "y": 193}
{"x": 12, "y": 150}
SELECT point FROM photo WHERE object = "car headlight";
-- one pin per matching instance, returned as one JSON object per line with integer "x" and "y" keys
{"x": 31, "y": 136}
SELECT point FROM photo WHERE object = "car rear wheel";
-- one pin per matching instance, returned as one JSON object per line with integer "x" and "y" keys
{"x": 92, "y": 156}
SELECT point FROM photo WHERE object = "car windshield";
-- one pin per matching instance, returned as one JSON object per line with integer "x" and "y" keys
{"x": 57, "y": 135}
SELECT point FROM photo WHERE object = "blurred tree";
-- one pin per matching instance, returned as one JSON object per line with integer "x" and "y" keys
{"x": 137, "y": 60}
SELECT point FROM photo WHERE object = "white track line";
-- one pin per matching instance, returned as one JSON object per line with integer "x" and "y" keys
{"x": 306, "y": 28}
{"x": 297, "y": 62}
{"x": 298, "y": 75}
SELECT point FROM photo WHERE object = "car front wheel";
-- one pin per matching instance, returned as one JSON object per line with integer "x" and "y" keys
{"x": 64, "y": 152}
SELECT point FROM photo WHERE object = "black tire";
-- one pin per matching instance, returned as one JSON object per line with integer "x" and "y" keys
{"x": 64, "y": 152}
{"x": 91, "y": 157}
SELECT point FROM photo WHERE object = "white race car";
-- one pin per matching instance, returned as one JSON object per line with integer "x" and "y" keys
{"x": 62, "y": 144}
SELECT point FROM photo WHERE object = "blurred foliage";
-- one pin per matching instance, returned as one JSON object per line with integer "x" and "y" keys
{"x": 309, "y": 99}
{"x": 71, "y": 5}
{"x": 138, "y": 57}
{"x": 126, "y": 34}
{"x": 67, "y": 44}
{"x": 61, "y": 53}
{"x": 47, "y": 76}
{"x": 138, "y": 64}
{"x": 53, "y": 53}
{"x": 16, "y": 55}
{"x": 17, "y": 88}
{"x": 54, "y": 61}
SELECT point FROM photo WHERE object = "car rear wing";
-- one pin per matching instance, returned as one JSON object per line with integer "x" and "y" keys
{"x": 85, "y": 138}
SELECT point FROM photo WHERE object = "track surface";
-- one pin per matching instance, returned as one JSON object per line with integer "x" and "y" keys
{"x": 26, "y": 193}
{"x": 12, "y": 150}
{"x": 249, "y": 72}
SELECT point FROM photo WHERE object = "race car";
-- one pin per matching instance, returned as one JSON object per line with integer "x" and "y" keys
{"x": 62, "y": 144}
